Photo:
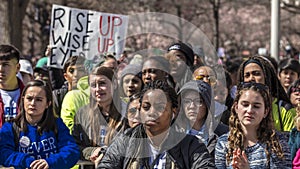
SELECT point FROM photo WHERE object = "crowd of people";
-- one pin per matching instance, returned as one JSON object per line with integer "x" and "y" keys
{"x": 171, "y": 111}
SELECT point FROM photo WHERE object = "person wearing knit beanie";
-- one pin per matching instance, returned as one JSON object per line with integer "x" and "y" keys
{"x": 181, "y": 58}
{"x": 131, "y": 80}
{"x": 186, "y": 50}
{"x": 155, "y": 68}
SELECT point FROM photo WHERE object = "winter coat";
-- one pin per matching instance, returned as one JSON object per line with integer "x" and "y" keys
{"x": 181, "y": 151}
{"x": 294, "y": 143}
{"x": 287, "y": 113}
{"x": 73, "y": 100}
{"x": 58, "y": 97}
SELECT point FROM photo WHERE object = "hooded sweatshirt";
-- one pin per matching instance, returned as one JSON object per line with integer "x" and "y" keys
{"x": 73, "y": 100}
{"x": 207, "y": 132}
{"x": 59, "y": 150}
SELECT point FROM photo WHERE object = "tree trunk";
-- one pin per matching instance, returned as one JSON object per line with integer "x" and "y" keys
{"x": 15, "y": 14}
{"x": 216, "y": 6}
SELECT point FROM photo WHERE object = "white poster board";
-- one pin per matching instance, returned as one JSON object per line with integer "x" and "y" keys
{"x": 85, "y": 33}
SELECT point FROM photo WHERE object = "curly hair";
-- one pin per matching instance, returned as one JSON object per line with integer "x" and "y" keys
{"x": 140, "y": 145}
{"x": 297, "y": 118}
{"x": 266, "y": 133}
{"x": 164, "y": 86}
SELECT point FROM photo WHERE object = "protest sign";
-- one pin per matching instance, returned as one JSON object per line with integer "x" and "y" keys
{"x": 86, "y": 33}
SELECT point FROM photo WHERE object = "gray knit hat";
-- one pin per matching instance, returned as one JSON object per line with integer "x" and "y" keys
{"x": 202, "y": 88}
{"x": 133, "y": 69}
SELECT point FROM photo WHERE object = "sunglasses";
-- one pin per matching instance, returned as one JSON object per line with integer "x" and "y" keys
{"x": 212, "y": 79}
{"x": 201, "y": 77}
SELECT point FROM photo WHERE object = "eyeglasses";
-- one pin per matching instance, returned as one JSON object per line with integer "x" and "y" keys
{"x": 295, "y": 89}
{"x": 201, "y": 77}
{"x": 132, "y": 112}
{"x": 211, "y": 79}
{"x": 259, "y": 86}
{"x": 197, "y": 102}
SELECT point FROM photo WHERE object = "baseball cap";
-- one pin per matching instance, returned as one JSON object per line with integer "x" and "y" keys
{"x": 26, "y": 66}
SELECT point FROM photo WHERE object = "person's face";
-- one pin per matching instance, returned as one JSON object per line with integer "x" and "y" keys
{"x": 8, "y": 71}
{"x": 253, "y": 72}
{"x": 101, "y": 89}
{"x": 206, "y": 75}
{"x": 26, "y": 77}
{"x": 295, "y": 96}
{"x": 198, "y": 61}
{"x": 156, "y": 112}
{"x": 220, "y": 92}
{"x": 233, "y": 77}
{"x": 48, "y": 51}
{"x": 35, "y": 102}
{"x": 41, "y": 75}
{"x": 73, "y": 74}
{"x": 133, "y": 113}
{"x": 194, "y": 107}
{"x": 250, "y": 109}
{"x": 152, "y": 71}
{"x": 287, "y": 77}
{"x": 131, "y": 84}
{"x": 178, "y": 63}
{"x": 111, "y": 63}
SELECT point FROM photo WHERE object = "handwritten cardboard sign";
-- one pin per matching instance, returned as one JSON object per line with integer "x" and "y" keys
{"x": 85, "y": 33}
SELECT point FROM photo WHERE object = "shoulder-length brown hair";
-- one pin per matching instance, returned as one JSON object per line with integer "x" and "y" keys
{"x": 48, "y": 121}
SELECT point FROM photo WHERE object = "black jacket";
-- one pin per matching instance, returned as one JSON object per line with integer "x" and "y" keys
{"x": 129, "y": 150}
{"x": 58, "y": 97}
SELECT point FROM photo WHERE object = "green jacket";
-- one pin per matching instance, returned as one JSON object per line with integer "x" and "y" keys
{"x": 287, "y": 112}
{"x": 73, "y": 100}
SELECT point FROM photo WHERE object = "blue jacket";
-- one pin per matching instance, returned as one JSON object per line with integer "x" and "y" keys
{"x": 59, "y": 150}
{"x": 294, "y": 142}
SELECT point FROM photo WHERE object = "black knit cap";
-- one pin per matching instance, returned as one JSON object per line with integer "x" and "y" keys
{"x": 184, "y": 48}
{"x": 289, "y": 63}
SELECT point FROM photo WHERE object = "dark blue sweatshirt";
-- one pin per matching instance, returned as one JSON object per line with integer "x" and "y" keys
{"x": 59, "y": 150}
